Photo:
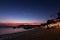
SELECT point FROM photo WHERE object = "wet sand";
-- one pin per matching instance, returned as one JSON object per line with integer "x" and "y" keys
{"x": 36, "y": 34}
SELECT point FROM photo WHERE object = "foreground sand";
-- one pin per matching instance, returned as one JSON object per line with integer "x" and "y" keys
{"x": 36, "y": 34}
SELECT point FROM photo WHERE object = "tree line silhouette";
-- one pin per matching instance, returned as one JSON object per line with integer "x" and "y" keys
{"x": 51, "y": 21}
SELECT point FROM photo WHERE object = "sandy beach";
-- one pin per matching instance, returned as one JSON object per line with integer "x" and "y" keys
{"x": 36, "y": 34}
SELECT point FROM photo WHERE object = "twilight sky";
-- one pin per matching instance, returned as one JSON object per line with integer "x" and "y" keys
{"x": 22, "y": 11}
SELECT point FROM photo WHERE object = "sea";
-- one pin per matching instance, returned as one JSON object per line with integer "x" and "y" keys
{"x": 12, "y": 30}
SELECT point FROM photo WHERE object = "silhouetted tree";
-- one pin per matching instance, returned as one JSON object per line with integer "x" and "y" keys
{"x": 58, "y": 17}
{"x": 50, "y": 21}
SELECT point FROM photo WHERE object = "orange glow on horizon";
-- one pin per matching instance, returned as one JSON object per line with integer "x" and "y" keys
{"x": 16, "y": 24}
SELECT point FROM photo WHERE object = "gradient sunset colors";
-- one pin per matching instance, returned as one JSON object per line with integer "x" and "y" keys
{"x": 27, "y": 11}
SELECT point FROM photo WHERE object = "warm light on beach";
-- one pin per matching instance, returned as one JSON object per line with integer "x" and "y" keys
{"x": 29, "y": 19}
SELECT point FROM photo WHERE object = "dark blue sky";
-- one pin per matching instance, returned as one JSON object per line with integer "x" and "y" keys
{"x": 28, "y": 10}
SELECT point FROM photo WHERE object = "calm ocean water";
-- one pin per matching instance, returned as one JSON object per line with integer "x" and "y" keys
{"x": 11, "y": 30}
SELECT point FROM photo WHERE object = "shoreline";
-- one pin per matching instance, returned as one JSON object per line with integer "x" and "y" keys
{"x": 41, "y": 34}
{"x": 10, "y": 35}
